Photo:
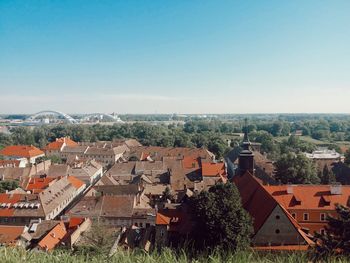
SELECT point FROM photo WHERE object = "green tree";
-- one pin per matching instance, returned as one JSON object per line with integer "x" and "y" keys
{"x": 347, "y": 157}
{"x": 55, "y": 159}
{"x": 23, "y": 136}
{"x": 8, "y": 186}
{"x": 220, "y": 220}
{"x": 336, "y": 238}
{"x": 266, "y": 140}
{"x": 296, "y": 169}
{"x": 327, "y": 176}
{"x": 217, "y": 146}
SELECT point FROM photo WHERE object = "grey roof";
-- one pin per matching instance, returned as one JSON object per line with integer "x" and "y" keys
{"x": 130, "y": 189}
{"x": 75, "y": 149}
{"x": 104, "y": 206}
{"x": 57, "y": 170}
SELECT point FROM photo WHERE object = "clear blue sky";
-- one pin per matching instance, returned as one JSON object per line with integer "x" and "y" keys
{"x": 174, "y": 56}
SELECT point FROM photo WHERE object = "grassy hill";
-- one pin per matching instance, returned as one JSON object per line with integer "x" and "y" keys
{"x": 9, "y": 255}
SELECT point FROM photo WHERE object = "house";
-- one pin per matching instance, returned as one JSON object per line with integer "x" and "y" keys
{"x": 56, "y": 147}
{"x": 272, "y": 222}
{"x": 211, "y": 170}
{"x": 37, "y": 185}
{"x": 28, "y": 153}
{"x": 12, "y": 235}
{"x": 309, "y": 205}
{"x": 48, "y": 234}
{"x": 21, "y": 208}
{"x": 106, "y": 156}
{"x": 325, "y": 157}
{"x": 173, "y": 225}
{"x": 78, "y": 151}
{"x": 156, "y": 153}
{"x": 13, "y": 163}
{"x": 88, "y": 172}
{"x": 115, "y": 208}
{"x": 53, "y": 238}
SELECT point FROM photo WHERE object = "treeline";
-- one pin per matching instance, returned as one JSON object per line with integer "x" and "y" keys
{"x": 156, "y": 135}
{"x": 213, "y": 134}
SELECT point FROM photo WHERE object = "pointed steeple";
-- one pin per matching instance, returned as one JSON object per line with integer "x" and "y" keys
{"x": 246, "y": 156}
{"x": 246, "y": 143}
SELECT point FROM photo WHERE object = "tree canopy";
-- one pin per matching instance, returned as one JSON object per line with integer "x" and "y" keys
{"x": 296, "y": 169}
{"x": 221, "y": 221}
{"x": 336, "y": 238}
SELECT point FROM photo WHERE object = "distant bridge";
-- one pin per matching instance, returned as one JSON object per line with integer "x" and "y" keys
{"x": 45, "y": 112}
{"x": 71, "y": 120}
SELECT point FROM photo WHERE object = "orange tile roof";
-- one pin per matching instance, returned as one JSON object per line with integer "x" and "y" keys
{"x": 36, "y": 185}
{"x": 26, "y": 151}
{"x": 53, "y": 237}
{"x": 188, "y": 162}
{"x": 255, "y": 199}
{"x": 75, "y": 182}
{"x": 8, "y": 199}
{"x": 213, "y": 169}
{"x": 75, "y": 221}
{"x": 162, "y": 219}
{"x": 310, "y": 197}
{"x": 57, "y": 145}
{"x": 10, "y": 234}
{"x": 259, "y": 203}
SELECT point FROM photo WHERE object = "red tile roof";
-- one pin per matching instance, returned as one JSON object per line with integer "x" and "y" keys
{"x": 53, "y": 237}
{"x": 57, "y": 145}
{"x": 10, "y": 234}
{"x": 36, "y": 185}
{"x": 259, "y": 203}
{"x": 26, "y": 151}
{"x": 255, "y": 199}
{"x": 75, "y": 182}
{"x": 75, "y": 221}
{"x": 310, "y": 197}
{"x": 213, "y": 169}
{"x": 189, "y": 162}
{"x": 162, "y": 219}
{"x": 8, "y": 199}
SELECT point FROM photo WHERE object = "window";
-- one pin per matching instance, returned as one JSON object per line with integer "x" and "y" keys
{"x": 277, "y": 231}
{"x": 294, "y": 215}
{"x": 322, "y": 231}
{"x": 306, "y": 217}
{"x": 278, "y": 217}
{"x": 323, "y": 217}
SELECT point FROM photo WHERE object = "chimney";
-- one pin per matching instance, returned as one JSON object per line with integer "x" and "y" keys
{"x": 290, "y": 189}
{"x": 336, "y": 189}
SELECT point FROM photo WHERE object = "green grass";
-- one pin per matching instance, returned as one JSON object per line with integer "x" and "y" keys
{"x": 9, "y": 255}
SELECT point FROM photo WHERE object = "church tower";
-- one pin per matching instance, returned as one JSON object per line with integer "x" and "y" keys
{"x": 246, "y": 156}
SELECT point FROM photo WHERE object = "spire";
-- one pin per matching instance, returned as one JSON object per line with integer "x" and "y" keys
{"x": 246, "y": 157}
{"x": 246, "y": 142}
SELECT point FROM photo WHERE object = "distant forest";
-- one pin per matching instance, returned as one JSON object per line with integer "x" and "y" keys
{"x": 218, "y": 133}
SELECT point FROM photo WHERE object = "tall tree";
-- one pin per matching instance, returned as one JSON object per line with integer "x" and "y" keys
{"x": 220, "y": 220}
{"x": 327, "y": 176}
{"x": 296, "y": 169}
{"x": 347, "y": 157}
{"x": 336, "y": 238}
